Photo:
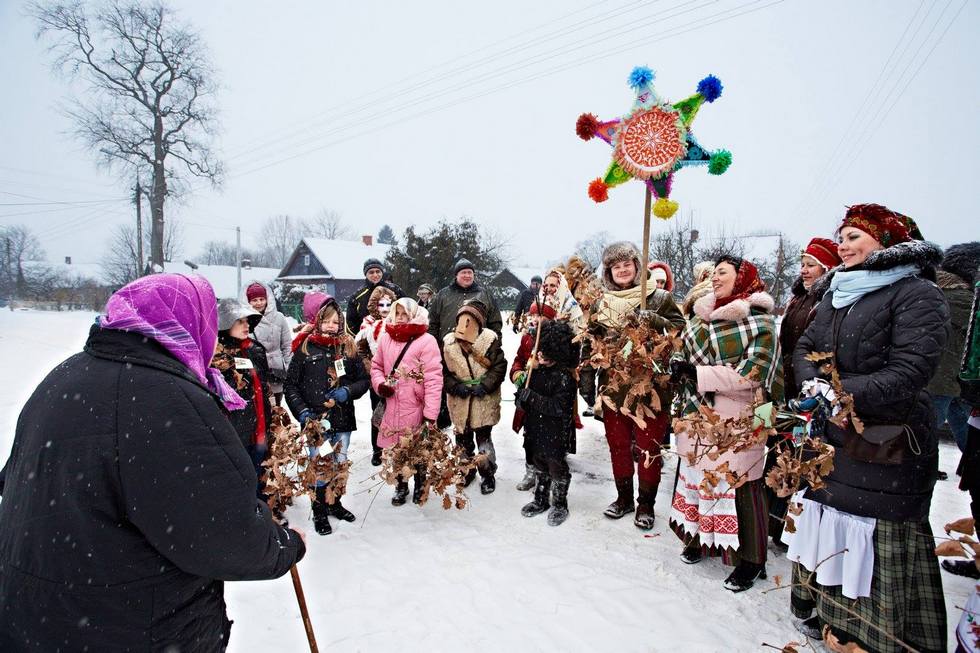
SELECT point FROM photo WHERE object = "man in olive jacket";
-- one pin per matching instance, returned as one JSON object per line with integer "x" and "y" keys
{"x": 446, "y": 303}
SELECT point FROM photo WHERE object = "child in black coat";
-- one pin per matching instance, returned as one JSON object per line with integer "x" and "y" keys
{"x": 324, "y": 378}
{"x": 549, "y": 404}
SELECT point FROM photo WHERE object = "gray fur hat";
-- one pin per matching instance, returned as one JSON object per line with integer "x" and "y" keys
{"x": 463, "y": 264}
{"x": 230, "y": 310}
{"x": 962, "y": 260}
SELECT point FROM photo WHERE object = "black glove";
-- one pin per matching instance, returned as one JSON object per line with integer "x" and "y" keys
{"x": 478, "y": 390}
{"x": 681, "y": 371}
{"x": 460, "y": 390}
{"x": 523, "y": 395}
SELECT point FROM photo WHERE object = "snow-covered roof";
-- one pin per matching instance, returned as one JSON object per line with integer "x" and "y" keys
{"x": 223, "y": 278}
{"x": 344, "y": 259}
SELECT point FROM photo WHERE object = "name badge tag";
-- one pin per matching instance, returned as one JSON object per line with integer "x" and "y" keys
{"x": 338, "y": 366}
{"x": 243, "y": 364}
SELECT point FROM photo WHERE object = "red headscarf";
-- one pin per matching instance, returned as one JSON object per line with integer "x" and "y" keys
{"x": 879, "y": 222}
{"x": 747, "y": 280}
{"x": 824, "y": 251}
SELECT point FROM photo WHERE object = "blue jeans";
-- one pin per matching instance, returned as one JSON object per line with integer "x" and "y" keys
{"x": 954, "y": 411}
{"x": 343, "y": 437}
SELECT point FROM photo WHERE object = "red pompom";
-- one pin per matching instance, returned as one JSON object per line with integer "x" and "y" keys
{"x": 586, "y": 126}
{"x": 598, "y": 190}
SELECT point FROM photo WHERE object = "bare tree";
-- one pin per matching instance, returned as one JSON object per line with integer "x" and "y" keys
{"x": 121, "y": 262}
{"x": 280, "y": 235}
{"x": 17, "y": 245}
{"x": 148, "y": 109}
{"x": 328, "y": 224}
{"x": 590, "y": 249}
{"x": 677, "y": 247}
{"x": 780, "y": 268}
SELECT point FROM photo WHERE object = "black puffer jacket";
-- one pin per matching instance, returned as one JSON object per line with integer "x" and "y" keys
{"x": 128, "y": 500}
{"x": 307, "y": 384}
{"x": 888, "y": 345}
{"x": 549, "y": 406}
{"x": 246, "y": 421}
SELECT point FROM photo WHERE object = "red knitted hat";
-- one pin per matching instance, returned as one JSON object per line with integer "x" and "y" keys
{"x": 545, "y": 309}
{"x": 824, "y": 251}
{"x": 255, "y": 290}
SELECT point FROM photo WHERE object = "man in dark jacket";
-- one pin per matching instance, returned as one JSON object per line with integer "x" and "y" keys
{"x": 357, "y": 304}
{"x": 524, "y": 301}
{"x": 129, "y": 498}
{"x": 446, "y": 303}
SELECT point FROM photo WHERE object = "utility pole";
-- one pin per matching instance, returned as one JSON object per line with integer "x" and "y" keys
{"x": 779, "y": 270}
{"x": 139, "y": 232}
{"x": 238, "y": 259}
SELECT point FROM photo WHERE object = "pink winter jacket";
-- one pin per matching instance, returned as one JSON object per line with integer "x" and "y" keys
{"x": 414, "y": 399}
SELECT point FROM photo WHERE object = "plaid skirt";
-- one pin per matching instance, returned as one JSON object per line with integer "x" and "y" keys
{"x": 906, "y": 595}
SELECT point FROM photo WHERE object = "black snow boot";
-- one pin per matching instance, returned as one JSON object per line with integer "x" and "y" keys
{"x": 419, "y": 487}
{"x": 470, "y": 475}
{"x": 488, "y": 484}
{"x": 691, "y": 555}
{"x": 623, "y": 505}
{"x": 321, "y": 511}
{"x": 966, "y": 568}
{"x": 541, "y": 491}
{"x": 559, "y": 502}
{"x": 644, "y": 508}
{"x": 529, "y": 480}
{"x": 744, "y": 576}
{"x": 338, "y": 510}
{"x": 401, "y": 493}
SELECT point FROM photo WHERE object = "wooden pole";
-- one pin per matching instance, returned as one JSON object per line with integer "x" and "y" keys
{"x": 533, "y": 362}
{"x": 301, "y": 598}
{"x": 646, "y": 248}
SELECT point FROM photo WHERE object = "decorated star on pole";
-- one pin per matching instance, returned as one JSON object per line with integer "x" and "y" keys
{"x": 653, "y": 141}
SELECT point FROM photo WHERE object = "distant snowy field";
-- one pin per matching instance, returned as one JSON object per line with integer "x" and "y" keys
{"x": 482, "y": 579}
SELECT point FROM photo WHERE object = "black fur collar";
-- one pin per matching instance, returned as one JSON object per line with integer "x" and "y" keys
{"x": 915, "y": 252}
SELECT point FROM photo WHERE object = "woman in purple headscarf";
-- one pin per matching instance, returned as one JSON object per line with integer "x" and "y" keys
{"x": 128, "y": 497}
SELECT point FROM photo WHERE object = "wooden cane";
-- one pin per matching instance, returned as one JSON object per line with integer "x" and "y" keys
{"x": 301, "y": 599}
{"x": 534, "y": 353}
{"x": 646, "y": 248}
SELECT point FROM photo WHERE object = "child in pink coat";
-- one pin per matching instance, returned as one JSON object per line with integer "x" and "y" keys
{"x": 413, "y": 391}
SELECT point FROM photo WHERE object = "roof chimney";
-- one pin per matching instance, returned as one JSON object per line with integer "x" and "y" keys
{"x": 67, "y": 260}
{"x": 367, "y": 240}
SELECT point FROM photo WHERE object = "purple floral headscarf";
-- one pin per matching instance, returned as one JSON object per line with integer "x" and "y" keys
{"x": 312, "y": 302}
{"x": 179, "y": 312}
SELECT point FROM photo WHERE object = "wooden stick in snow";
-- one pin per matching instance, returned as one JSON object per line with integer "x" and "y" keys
{"x": 301, "y": 598}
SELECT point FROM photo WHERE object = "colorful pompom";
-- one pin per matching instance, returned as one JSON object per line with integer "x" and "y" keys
{"x": 640, "y": 76}
{"x": 586, "y": 126}
{"x": 598, "y": 190}
{"x": 664, "y": 208}
{"x": 710, "y": 88}
{"x": 719, "y": 162}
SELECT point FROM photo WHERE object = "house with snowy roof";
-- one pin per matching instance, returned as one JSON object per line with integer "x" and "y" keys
{"x": 336, "y": 266}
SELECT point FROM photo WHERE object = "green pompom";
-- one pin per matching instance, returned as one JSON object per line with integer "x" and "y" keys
{"x": 719, "y": 162}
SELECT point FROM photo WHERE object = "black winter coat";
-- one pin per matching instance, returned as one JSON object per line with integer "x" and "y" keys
{"x": 246, "y": 421}
{"x": 795, "y": 320}
{"x": 129, "y": 499}
{"x": 357, "y": 303}
{"x": 888, "y": 345}
{"x": 307, "y": 385}
{"x": 524, "y": 302}
{"x": 549, "y": 406}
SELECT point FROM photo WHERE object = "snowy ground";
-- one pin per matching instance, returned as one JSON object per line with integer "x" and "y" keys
{"x": 483, "y": 579}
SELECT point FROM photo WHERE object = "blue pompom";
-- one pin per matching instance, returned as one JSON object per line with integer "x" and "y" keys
{"x": 640, "y": 76}
{"x": 710, "y": 87}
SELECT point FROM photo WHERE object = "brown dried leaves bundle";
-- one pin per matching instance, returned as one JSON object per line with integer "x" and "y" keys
{"x": 224, "y": 360}
{"x": 430, "y": 451}
{"x": 637, "y": 361}
{"x": 809, "y": 463}
{"x": 714, "y": 435}
{"x": 583, "y": 284}
{"x": 844, "y": 400}
{"x": 291, "y": 472}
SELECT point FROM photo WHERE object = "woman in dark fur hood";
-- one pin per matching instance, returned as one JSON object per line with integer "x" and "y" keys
{"x": 886, "y": 325}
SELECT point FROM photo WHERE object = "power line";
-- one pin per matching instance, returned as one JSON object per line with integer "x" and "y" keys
{"x": 643, "y": 41}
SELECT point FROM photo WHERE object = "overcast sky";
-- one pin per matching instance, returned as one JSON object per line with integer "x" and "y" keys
{"x": 470, "y": 110}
